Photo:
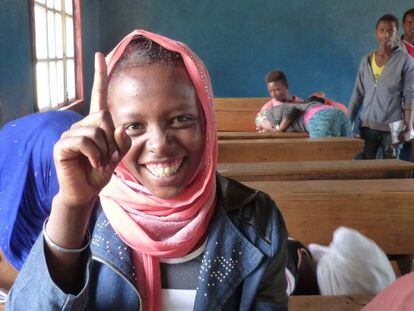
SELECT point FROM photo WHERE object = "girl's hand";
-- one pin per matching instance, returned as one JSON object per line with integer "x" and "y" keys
{"x": 266, "y": 126}
{"x": 87, "y": 154}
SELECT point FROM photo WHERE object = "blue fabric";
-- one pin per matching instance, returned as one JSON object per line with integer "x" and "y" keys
{"x": 330, "y": 122}
{"x": 28, "y": 179}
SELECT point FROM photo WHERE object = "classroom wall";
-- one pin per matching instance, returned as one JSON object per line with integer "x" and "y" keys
{"x": 16, "y": 83}
{"x": 318, "y": 43}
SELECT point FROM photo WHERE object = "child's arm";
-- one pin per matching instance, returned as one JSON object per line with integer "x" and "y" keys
{"x": 358, "y": 93}
{"x": 290, "y": 113}
{"x": 408, "y": 100}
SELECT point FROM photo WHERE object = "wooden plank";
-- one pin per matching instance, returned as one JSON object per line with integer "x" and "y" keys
{"x": 256, "y": 103}
{"x": 282, "y": 150}
{"x": 237, "y": 114}
{"x": 328, "y": 303}
{"x": 317, "y": 170}
{"x": 257, "y": 135}
{"x": 382, "y": 209}
{"x": 236, "y": 120}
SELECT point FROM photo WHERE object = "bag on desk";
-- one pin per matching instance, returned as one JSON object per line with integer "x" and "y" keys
{"x": 352, "y": 264}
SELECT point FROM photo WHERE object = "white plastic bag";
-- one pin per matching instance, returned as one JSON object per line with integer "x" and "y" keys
{"x": 352, "y": 264}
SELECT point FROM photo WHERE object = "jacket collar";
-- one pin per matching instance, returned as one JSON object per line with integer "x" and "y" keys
{"x": 233, "y": 194}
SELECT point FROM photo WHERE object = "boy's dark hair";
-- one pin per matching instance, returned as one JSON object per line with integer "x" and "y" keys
{"x": 275, "y": 76}
{"x": 387, "y": 18}
{"x": 408, "y": 12}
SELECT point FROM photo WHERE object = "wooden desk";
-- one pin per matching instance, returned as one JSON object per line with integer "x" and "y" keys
{"x": 234, "y": 103}
{"x": 282, "y": 150}
{"x": 257, "y": 135}
{"x": 237, "y": 113}
{"x": 317, "y": 170}
{"x": 382, "y": 209}
{"x": 328, "y": 303}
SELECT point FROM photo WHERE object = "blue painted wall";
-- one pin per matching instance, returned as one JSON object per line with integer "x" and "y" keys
{"x": 16, "y": 83}
{"x": 318, "y": 43}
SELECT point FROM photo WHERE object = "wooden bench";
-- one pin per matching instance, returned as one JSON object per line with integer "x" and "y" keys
{"x": 317, "y": 170}
{"x": 237, "y": 114}
{"x": 257, "y": 135}
{"x": 382, "y": 209}
{"x": 282, "y": 150}
{"x": 328, "y": 303}
{"x": 240, "y": 102}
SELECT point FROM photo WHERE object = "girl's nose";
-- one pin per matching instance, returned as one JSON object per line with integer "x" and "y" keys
{"x": 157, "y": 141}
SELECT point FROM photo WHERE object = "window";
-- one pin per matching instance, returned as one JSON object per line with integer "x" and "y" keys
{"x": 57, "y": 50}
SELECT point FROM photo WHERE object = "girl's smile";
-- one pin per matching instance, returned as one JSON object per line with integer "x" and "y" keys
{"x": 158, "y": 106}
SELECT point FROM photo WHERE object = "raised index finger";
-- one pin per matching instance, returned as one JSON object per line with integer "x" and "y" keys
{"x": 100, "y": 85}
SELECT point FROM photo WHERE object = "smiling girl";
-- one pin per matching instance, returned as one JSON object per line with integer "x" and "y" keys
{"x": 166, "y": 232}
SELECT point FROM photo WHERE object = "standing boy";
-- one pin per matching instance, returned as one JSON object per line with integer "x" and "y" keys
{"x": 384, "y": 88}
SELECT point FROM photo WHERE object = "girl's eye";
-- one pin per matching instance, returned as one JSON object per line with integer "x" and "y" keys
{"x": 183, "y": 121}
{"x": 134, "y": 127}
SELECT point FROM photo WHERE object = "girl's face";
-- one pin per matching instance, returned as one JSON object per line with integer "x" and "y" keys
{"x": 159, "y": 109}
{"x": 278, "y": 90}
{"x": 386, "y": 33}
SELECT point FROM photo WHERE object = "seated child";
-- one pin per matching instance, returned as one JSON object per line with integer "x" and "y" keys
{"x": 319, "y": 120}
{"x": 278, "y": 88}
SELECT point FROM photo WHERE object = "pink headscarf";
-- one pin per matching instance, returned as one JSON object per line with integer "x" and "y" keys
{"x": 156, "y": 228}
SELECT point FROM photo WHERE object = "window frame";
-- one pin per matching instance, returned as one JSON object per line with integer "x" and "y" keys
{"x": 78, "y": 103}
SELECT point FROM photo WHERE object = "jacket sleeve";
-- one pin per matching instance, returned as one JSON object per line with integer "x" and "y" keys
{"x": 272, "y": 291}
{"x": 358, "y": 93}
{"x": 408, "y": 84}
{"x": 35, "y": 286}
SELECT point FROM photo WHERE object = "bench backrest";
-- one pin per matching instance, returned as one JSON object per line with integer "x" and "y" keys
{"x": 317, "y": 170}
{"x": 257, "y": 135}
{"x": 381, "y": 209}
{"x": 237, "y": 114}
{"x": 282, "y": 150}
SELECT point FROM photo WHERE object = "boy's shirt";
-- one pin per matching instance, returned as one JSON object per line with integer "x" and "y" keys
{"x": 376, "y": 70}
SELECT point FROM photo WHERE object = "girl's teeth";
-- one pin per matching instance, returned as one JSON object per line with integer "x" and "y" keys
{"x": 163, "y": 171}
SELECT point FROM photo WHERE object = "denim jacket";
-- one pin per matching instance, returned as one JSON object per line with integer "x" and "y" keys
{"x": 247, "y": 227}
